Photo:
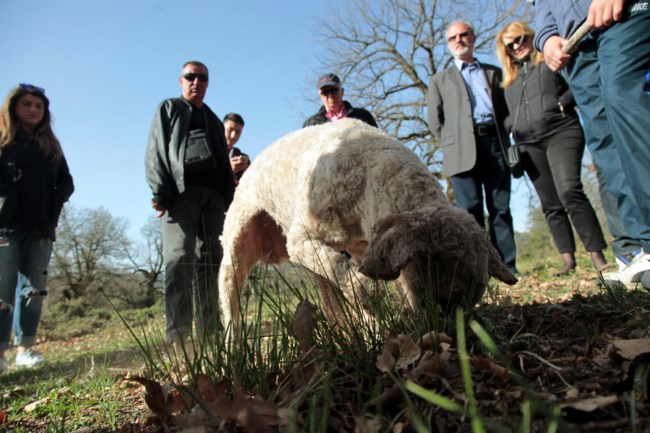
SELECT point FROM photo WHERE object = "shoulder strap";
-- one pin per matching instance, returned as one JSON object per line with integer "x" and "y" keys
{"x": 521, "y": 98}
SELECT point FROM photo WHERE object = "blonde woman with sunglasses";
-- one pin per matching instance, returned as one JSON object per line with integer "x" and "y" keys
{"x": 34, "y": 184}
{"x": 544, "y": 124}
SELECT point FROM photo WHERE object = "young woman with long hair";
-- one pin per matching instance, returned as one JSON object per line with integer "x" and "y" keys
{"x": 546, "y": 127}
{"x": 34, "y": 184}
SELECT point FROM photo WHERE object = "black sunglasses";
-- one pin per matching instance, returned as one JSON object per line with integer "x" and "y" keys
{"x": 522, "y": 40}
{"x": 331, "y": 90}
{"x": 191, "y": 76}
{"x": 31, "y": 87}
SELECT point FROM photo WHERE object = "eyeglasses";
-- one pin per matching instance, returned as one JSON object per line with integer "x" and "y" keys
{"x": 463, "y": 35}
{"x": 329, "y": 91}
{"x": 31, "y": 87}
{"x": 191, "y": 76}
{"x": 522, "y": 40}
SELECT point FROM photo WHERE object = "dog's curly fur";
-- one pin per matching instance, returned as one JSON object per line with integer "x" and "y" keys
{"x": 347, "y": 186}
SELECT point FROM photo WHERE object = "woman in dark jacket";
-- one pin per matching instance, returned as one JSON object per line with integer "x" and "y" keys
{"x": 34, "y": 184}
{"x": 545, "y": 126}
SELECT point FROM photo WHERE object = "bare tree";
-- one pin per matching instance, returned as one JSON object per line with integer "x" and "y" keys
{"x": 386, "y": 50}
{"x": 89, "y": 252}
{"x": 147, "y": 260}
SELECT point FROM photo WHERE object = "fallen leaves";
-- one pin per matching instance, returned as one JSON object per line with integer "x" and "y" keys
{"x": 629, "y": 349}
{"x": 585, "y": 357}
{"x": 430, "y": 361}
{"x": 591, "y": 404}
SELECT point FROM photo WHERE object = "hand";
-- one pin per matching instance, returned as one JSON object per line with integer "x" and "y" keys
{"x": 161, "y": 209}
{"x": 239, "y": 163}
{"x": 553, "y": 55}
{"x": 603, "y": 13}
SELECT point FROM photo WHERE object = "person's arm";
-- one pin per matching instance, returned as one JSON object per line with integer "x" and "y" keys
{"x": 547, "y": 38}
{"x": 63, "y": 189}
{"x": 545, "y": 23}
{"x": 435, "y": 112}
{"x": 64, "y": 183}
{"x": 239, "y": 161}
{"x": 156, "y": 168}
{"x": 369, "y": 119}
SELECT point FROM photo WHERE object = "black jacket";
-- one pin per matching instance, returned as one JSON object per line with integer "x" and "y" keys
{"x": 546, "y": 103}
{"x": 354, "y": 113}
{"x": 33, "y": 189}
{"x": 165, "y": 156}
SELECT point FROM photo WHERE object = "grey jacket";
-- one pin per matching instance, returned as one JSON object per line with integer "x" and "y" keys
{"x": 165, "y": 155}
{"x": 558, "y": 17}
{"x": 450, "y": 116}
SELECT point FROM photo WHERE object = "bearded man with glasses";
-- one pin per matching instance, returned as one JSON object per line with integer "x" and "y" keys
{"x": 466, "y": 111}
{"x": 188, "y": 170}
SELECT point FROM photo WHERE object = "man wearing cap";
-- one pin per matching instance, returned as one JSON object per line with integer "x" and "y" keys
{"x": 466, "y": 110}
{"x": 334, "y": 107}
{"x": 192, "y": 184}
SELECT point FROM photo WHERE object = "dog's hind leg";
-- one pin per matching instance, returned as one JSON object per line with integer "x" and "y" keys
{"x": 258, "y": 239}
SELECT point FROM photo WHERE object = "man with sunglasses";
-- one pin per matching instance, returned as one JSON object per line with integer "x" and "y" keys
{"x": 188, "y": 170}
{"x": 334, "y": 107}
{"x": 466, "y": 111}
{"x": 607, "y": 73}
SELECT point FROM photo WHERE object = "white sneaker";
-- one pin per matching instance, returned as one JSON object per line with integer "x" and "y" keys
{"x": 4, "y": 365}
{"x": 632, "y": 273}
{"x": 29, "y": 358}
{"x": 625, "y": 259}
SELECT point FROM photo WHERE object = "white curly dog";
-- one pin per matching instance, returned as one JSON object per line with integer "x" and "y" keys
{"x": 349, "y": 187}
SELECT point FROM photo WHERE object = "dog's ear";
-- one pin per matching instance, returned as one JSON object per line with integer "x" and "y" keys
{"x": 497, "y": 269}
{"x": 476, "y": 241}
{"x": 392, "y": 244}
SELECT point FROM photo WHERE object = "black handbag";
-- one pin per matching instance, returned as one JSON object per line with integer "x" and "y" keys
{"x": 198, "y": 153}
{"x": 513, "y": 156}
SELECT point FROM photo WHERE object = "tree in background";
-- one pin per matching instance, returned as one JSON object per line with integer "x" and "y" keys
{"x": 93, "y": 257}
{"x": 385, "y": 51}
{"x": 88, "y": 251}
{"x": 146, "y": 261}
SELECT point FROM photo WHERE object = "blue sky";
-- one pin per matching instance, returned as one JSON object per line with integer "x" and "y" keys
{"x": 106, "y": 64}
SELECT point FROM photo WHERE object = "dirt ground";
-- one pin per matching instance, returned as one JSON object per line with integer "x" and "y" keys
{"x": 565, "y": 346}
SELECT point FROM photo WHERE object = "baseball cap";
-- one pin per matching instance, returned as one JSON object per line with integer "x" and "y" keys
{"x": 331, "y": 80}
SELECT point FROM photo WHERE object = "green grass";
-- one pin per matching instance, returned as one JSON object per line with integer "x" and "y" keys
{"x": 323, "y": 373}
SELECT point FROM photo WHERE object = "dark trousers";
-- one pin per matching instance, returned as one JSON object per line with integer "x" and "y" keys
{"x": 489, "y": 179}
{"x": 193, "y": 224}
{"x": 554, "y": 165}
{"x": 608, "y": 80}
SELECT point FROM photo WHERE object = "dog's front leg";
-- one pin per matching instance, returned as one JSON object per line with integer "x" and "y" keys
{"x": 335, "y": 275}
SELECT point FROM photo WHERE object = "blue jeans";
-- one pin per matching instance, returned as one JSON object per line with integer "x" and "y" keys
{"x": 622, "y": 243}
{"x": 607, "y": 79}
{"x": 489, "y": 173}
{"x": 192, "y": 255}
{"x": 23, "y": 268}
